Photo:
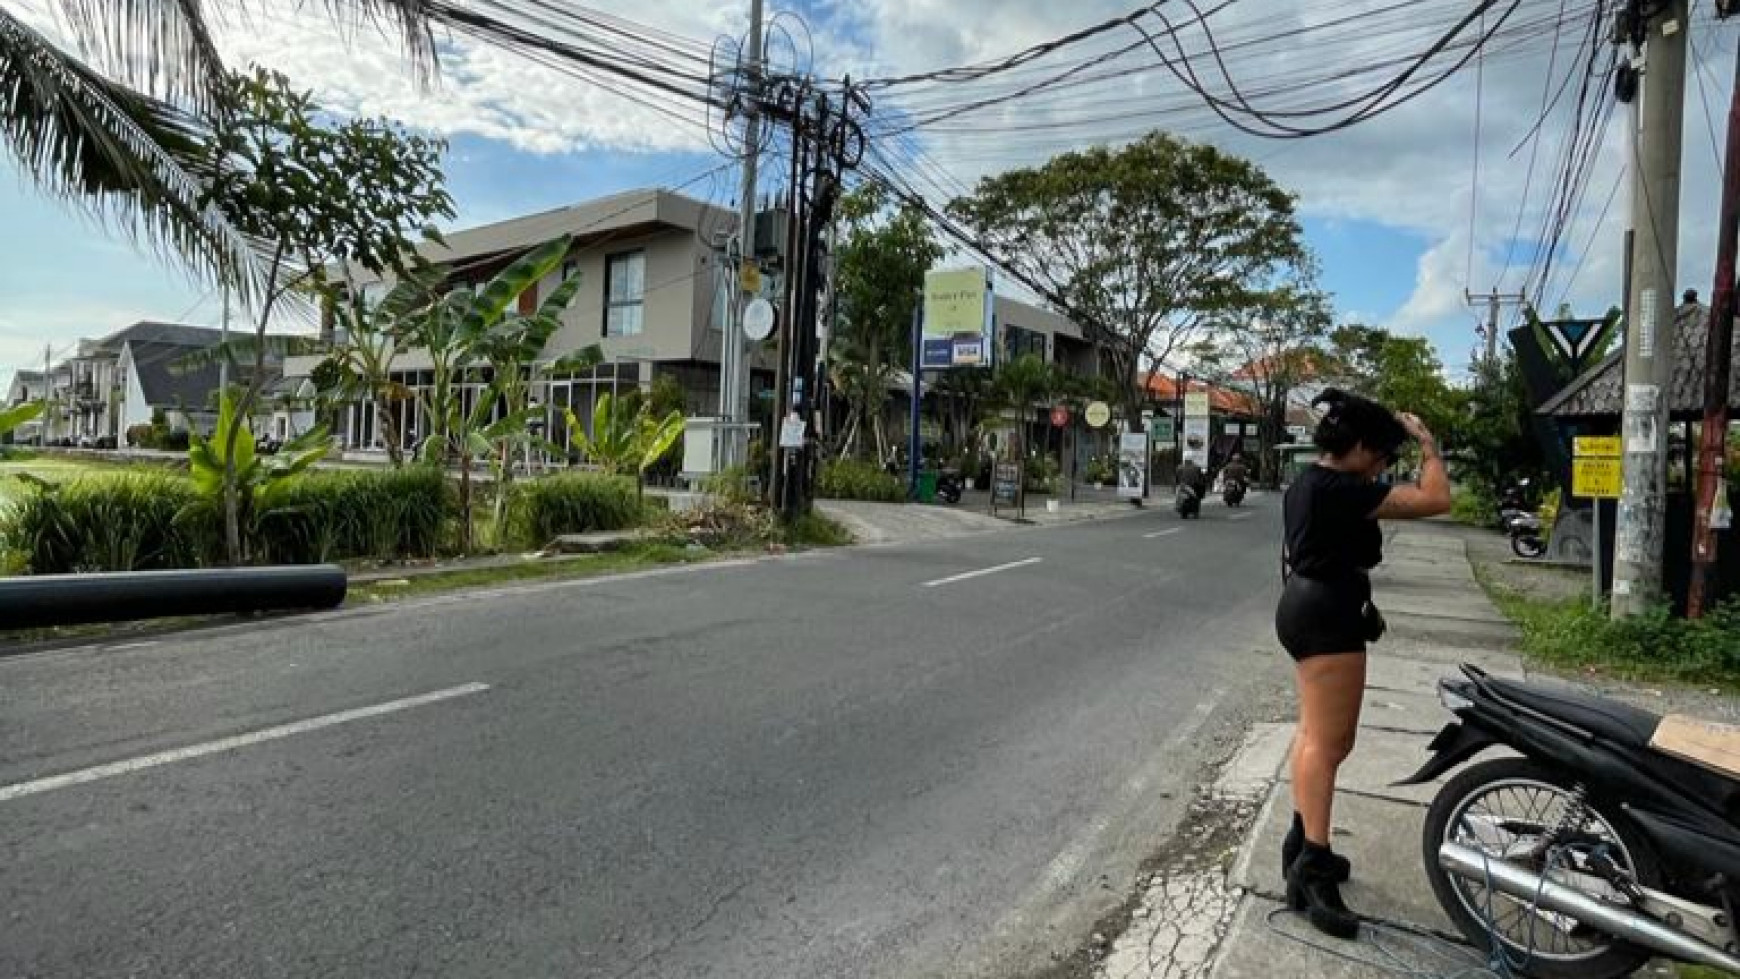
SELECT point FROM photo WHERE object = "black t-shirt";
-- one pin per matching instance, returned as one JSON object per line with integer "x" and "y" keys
{"x": 1330, "y": 529}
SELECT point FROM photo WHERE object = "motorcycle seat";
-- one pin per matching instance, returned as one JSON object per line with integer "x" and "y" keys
{"x": 1621, "y": 723}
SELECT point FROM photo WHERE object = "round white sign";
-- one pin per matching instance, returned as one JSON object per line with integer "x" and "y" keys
{"x": 758, "y": 319}
{"x": 1098, "y": 414}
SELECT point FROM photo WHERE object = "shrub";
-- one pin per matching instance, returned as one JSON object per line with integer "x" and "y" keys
{"x": 389, "y": 514}
{"x": 571, "y": 503}
{"x": 1042, "y": 474}
{"x": 849, "y": 479}
{"x": 110, "y": 522}
{"x": 814, "y": 530}
{"x": 1653, "y": 646}
{"x": 139, "y": 436}
{"x": 1472, "y": 504}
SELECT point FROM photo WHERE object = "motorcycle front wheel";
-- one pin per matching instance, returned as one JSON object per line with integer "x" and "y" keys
{"x": 1520, "y": 811}
{"x": 1529, "y": 547}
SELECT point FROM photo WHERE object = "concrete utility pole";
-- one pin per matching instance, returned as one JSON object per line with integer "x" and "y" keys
{"x": 1718, "y": 363}
{"x": 733, "y": 351}
{"x": 1495, "y": 303}
{"x": 47, "y": 396}
{"x": 1649, "y": 345}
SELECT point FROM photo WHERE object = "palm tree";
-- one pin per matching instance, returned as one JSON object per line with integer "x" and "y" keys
{"x": 116, "y": 129}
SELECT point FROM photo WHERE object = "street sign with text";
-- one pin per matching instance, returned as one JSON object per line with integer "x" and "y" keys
{"x": 1596, "y": 472}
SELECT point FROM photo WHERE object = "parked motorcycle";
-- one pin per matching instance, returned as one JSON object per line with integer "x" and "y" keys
{"x": 1591, "y": 853}
{"x": 1187, "y": 501}
{"x": 1526, "y": 533}
{"x": 948, "y": 486}
{"x": 1232, "y": 492}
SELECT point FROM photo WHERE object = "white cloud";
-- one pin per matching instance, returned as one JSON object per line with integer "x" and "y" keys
{"x": 1408, "y": 170}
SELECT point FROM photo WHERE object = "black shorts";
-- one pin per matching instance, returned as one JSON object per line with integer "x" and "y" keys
{"x": 1318, "y": 616}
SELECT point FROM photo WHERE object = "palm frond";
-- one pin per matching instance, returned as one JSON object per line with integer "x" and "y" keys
{"x": 165, "y": 47}
{"x": 128, "y": 159}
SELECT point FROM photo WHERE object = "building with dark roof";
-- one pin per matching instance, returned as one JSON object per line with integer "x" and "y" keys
{"x": 121, "y": 380}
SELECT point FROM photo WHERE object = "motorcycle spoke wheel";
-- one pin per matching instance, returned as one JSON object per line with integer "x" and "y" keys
{"x": 1509, "y": 820}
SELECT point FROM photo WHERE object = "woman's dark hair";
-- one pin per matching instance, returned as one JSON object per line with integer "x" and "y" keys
{"x": 1350, "y": 420}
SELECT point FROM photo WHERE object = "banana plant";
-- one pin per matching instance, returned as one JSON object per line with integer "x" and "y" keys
{"x": 458, "y": 333}
{"x": 17, "y": 415}
{"x": 625, "y": 442}
{"x": 361, "y": 363}
{"x": 260, "y": 480}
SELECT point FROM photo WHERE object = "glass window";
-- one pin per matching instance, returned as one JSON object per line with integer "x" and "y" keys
{"x": 624, "y": 294}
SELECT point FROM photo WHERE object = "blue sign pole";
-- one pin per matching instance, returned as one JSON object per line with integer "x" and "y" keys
{"x": 913, "y": 444}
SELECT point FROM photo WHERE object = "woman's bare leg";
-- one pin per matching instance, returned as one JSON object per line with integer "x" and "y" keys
{"x": 1331, "y": 689}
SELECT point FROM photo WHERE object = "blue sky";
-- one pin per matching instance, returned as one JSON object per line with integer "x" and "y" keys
{"x": 1390, "y": 206}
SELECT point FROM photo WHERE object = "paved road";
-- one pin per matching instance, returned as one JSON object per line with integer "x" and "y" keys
{"x": 910, "y": 760}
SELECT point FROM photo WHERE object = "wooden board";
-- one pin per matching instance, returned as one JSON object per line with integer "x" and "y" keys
{"x": 1707, "y": 743}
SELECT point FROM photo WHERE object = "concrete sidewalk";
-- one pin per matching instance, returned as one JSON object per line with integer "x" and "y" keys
{"x": 1438, "y": 618}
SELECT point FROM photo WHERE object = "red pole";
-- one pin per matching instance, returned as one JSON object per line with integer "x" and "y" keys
{"x": 1718, "y": 360}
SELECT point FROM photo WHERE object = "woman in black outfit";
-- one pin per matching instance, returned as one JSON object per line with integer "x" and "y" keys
{"x": 1326, "y": 617}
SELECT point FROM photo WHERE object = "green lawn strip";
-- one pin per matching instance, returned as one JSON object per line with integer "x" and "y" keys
{"x": 635, "y": 558}
{"x": 1572, "y": 636}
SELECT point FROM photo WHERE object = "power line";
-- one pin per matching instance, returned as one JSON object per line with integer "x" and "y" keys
{"x": 1474, "y": 187}
{"x": 1600, "y": 223}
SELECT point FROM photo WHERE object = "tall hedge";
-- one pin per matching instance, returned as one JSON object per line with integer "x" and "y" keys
{"x": 571, "y": 503}
{"x": 329, "y": 515}
{"x": 149, "y": 521}
{"x": 849, "y": 479}
{"x": 108, "y": 522}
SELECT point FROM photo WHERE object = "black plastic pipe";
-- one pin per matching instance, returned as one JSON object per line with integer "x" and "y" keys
{"x": 35, "y": 601}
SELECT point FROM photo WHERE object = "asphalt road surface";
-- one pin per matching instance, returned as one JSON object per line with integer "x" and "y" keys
{"x": 941, "y": 759}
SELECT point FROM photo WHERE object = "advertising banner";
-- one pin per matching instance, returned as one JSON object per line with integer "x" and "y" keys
{"x": 957, "y": 318}
{"x": 1133, "y": 465}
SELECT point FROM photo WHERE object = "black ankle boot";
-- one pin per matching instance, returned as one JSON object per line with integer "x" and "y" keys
{"x": 1313, "y": 892}
{"x": 1296, "y": 839}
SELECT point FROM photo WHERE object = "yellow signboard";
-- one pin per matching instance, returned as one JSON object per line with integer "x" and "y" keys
{"x": 1196, "y": 404}
{"x": 954, "y": 302}
{"x": 1597, "y": 446}
{"x": 1596, "y": 478}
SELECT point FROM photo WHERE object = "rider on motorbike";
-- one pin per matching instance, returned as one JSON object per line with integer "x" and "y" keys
{"x": 1235, "y": 471}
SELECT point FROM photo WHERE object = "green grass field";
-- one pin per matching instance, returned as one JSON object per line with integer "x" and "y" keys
{"x": 51, "y": 468}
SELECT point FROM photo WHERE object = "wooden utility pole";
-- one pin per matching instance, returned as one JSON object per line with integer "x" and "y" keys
{"x": 1639, "y": 537}
{"x": 1718, "y": 361}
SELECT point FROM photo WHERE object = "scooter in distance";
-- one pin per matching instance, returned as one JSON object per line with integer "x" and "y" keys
{"x": 1232, "y": 493}
{"x": 1187, "y": 501}
{"x": 1596, "y": 849}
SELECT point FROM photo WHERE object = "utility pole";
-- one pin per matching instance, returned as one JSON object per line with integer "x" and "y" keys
{"x": 1495, "y": 303}
{"x": 47, "y": 396}
{"x": 734, "y": 355}
{"x": 1649, "y": 348}
{"x": 1718, "y": 363}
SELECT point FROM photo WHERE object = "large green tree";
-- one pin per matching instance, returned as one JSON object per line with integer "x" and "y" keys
{"x": 1270, "y": 346}
{"x": 314, "y": 193}
{"x": 1141, "y": 245}
{"x": 883, "y": 255}
{"x": 1402, "y": 372}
